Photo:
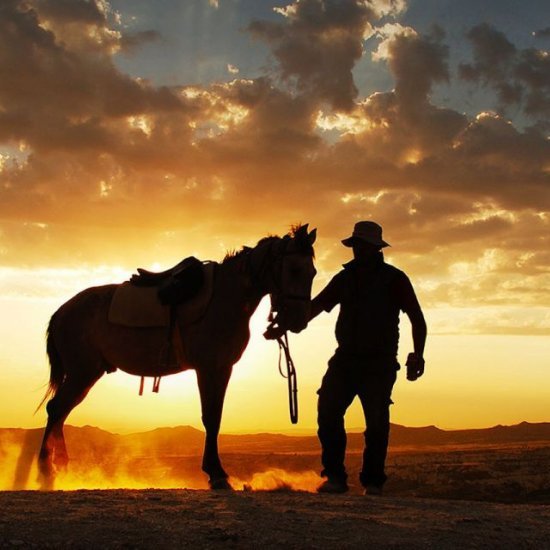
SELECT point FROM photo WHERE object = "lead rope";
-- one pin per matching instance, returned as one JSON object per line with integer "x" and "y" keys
{"x": 290, "y": 376}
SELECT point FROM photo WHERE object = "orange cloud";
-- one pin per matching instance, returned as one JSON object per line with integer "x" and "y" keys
{"x": 100, "y": 167}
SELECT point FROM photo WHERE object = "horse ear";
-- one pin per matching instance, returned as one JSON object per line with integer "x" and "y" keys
{"x": 301, "y": 232}
{"x": 312, "y": 236}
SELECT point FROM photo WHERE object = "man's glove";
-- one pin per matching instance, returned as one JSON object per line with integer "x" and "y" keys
{"x": 415, "y": 366}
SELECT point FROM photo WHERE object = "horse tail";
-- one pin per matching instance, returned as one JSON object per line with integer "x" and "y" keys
{"x": 57, "y": 372}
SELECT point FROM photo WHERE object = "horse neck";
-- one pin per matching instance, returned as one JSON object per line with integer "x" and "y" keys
{"x": 234, "y": 282}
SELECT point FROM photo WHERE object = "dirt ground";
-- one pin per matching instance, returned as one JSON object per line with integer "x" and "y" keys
{"x": 262, "y": 519}
{"x": 445, "y": 497}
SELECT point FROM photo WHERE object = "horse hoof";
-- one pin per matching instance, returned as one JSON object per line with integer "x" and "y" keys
{"x": 220, "y": 484}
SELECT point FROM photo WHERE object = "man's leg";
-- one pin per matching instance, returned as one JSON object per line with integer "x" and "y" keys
{"x": 335, "y": 396}
{"x": 376, "y": 400}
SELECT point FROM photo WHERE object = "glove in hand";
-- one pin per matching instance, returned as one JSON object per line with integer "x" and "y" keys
{"x": 415, "y": 366}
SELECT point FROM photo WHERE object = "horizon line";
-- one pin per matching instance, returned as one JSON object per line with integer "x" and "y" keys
{"x": 301, "y": 432}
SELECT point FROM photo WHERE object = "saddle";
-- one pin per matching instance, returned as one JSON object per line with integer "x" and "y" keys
{"x": 152, "y": 299}
{"x": 149, "y": 299}
{"x": 175, "y": 285}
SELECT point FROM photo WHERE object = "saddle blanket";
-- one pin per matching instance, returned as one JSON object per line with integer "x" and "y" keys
{"x": 139, "y": 306}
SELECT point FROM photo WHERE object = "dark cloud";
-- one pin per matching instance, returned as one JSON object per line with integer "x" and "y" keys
{"x": 318, "y": 46}
{"x": 417, "y": 62}
{"x": 54, "y": 96}
{"x": 130, "y": 42}
{"x": 533, "y": 70}
{"x": 493, "y": 53}
{"x": 88, "y": 12}
{"x": 278, "y": 127}
{"x": 36, "y": 69}
{"x": 542, "y": 33}
{"x": 520, "y": 77}
{"x": 416, "y": 126}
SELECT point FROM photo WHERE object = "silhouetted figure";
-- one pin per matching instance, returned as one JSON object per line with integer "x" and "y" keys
{"x": 371, "y": 295}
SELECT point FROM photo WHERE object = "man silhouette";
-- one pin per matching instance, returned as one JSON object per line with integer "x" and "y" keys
{"x": 371, "y": 294}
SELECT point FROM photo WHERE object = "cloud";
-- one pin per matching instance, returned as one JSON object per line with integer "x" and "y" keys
{"x": 383, "y": 8}
{"x": 99, "y": 167}
{"x": 542, "y": 33}
{"x": 73, "y": 11}
{"x": 130, "y": 42}
{"x": 417, "y": 62}
{"x": 61, "y": 81}
{"x": 520, "y": 77}
{"x": 318, "y": 45}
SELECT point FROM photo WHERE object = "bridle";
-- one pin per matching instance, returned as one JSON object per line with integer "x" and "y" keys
{"x": 271, "y": 268}
{"x": 271, "y": 264}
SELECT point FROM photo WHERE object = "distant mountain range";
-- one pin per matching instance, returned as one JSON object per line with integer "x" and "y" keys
{"x": 188, "y": 441}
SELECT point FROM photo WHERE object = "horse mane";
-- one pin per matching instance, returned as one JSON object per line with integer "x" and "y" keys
{"x": 297, "y": 231}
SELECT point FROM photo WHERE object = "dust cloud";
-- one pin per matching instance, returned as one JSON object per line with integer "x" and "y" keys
{"x": 131, "y": 469}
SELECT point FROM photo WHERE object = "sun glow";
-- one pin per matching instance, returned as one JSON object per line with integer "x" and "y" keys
{"x": 362, "y": 197}
{"x": 141, "y": 122}
{"x": 483, "y": 211}
{"x": 342, "y": 122}
{"x": 413, "y": 156}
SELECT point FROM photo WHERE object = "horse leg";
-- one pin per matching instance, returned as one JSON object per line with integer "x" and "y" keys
{"x": 45, "y": 464}
{"x": 53, "y": 455}
{"x": 212, "y": 387}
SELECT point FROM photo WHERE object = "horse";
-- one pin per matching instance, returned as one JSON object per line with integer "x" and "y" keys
{"x": 82, "y": 345}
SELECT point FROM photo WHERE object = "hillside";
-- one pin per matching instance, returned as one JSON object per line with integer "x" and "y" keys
{"x": 188, "y": 441}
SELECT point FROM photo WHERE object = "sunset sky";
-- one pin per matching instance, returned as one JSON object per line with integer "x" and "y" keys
{"x": 135, "y": 133}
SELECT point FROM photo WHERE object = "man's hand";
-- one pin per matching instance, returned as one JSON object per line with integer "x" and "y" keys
{"x": 415, "y": 366}
{"x": 273, "y": 332}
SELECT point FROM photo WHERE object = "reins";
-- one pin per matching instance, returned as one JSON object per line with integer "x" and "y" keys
{"x": 282, "y": 340}
{"x": 290, "y": 376}
{"x": 284, "y": 349}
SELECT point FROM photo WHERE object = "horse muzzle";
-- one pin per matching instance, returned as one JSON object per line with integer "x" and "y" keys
{"x": 295, "y": 314}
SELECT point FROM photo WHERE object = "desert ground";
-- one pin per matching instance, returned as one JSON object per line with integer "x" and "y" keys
{"x": 450, "y": 490}
{"x": 262, "y": 519}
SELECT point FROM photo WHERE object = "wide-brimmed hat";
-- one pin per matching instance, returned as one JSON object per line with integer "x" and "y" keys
{"x": 370, "y": 232}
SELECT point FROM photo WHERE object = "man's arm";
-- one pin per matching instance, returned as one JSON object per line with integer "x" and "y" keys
{"x": 410, "y": 305}
{"x": 317, "y": 306}
{"x": 328, "y": 297}
{"x": 324, "y": 301}
{"x": 415, "y": 361}
{"x": 419, "y": 330}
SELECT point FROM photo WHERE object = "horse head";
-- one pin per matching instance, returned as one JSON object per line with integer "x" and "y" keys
{"x": 293, "y": 274}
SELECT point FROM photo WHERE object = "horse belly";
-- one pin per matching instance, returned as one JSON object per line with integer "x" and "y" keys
{"x": 143, "y": 351}
{"x": 215, "y": 345}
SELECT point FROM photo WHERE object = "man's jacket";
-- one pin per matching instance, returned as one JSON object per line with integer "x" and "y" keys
{"x": 371, "y": 296}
